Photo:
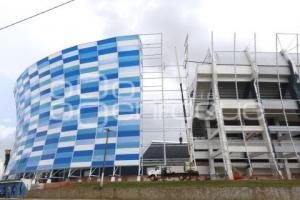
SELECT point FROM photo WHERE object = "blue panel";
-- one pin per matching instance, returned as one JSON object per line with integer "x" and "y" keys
{"x": 87, "y": 60}
{"x": 38, "y": 148}
{"x": 65, "y": 149}
{"x": 99, "y": 163}
{"x": 83, "y": 153}
{"x": 45, "y": 73}
{"x": 128, "y": 37}
{"x": 47, "y": 157}
{"x": 106, "y": 41}
{"x": 43, "y": 62}
{"x": 129, "y": 53}
{"x": 56, "y": 59}
{"x": 127, "y": 157}
{"x": 70, "y": 49}
{"x": 62, "y": 161}
{"x": 127, "y": 133}
{"x": 129, "y": 63}
{"x": 87, "y": 50}
{"x": 107, "y": 146}
{"x": 70, "y": 59}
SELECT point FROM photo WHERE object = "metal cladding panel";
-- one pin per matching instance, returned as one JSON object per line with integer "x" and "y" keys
{"x": 69, "y": 101}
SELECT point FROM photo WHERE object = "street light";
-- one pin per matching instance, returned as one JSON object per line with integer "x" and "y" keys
{"x": 107, "y": 131}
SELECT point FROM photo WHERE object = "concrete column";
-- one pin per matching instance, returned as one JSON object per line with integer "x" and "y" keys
{"x": 287, "y": 169}
{"x": 212, "y": 170}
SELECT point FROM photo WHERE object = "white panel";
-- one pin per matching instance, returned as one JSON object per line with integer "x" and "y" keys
{"x": 108, "y": 66}
{"x": 45, "y": 68}
{"x": 58, "y": 83}
{"x": 128, "y": 48}
{"x": 108, "y": 112}
{"x": 45, "y": 78}
{"x": 127, "y": 151}
{"x": 91, "y": 75}
{"x": 103, "y": 140}
{"x": 111, "y": 86}
{"x": 70, "y": 54}
{"x": 66, "y": 144}
{"x": 129, "y": 117}
{"x": 108, "y": 56}
{"x": 46, "y": 162}
{"x": 80, "y": 164}
{"x": 47, "y": 86}
{"x": 73, "y": 63}
{"x": 128, "y": 43}
{"x": 58, "y": 102}
{"x": 130, "y": 72}
{"x": 38, "y": 143}
{"x": 57, "y": 112}
{"x": 90, "y": 95}
{"x": 86, "y": 125}
{"x": 84, "y": 147}
{"x": 42, "y": 128}
{"x": 89, "y": 44}
{"x": 56, "y": 64}
{"x": 126, "y": 162}
{"x": 36, "y": 153}
{"x": 89, "y": 64}
{"x": 68, "y": 133}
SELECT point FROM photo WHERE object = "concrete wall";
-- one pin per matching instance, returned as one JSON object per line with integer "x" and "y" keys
{"x": 203, "y": 193}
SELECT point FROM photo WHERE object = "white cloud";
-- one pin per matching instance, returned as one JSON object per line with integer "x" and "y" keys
{"x": 7, "y": 121}
{"x": 7, "y": 132}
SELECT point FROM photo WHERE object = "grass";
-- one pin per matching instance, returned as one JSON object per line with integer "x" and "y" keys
{"x": 194, "y": 184}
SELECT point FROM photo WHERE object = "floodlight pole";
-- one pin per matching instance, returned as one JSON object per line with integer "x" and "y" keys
{"x": 107, "y": 131}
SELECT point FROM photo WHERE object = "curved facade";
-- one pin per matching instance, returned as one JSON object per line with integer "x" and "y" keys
{"x": 68, "y": 102}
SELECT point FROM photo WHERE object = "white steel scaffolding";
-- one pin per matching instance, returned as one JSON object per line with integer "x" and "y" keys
{"x": 245, "y": 111}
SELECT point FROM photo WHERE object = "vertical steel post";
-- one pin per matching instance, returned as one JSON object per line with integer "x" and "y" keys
{"x": 107, "y": 131}
{"x": 219, "y": 115}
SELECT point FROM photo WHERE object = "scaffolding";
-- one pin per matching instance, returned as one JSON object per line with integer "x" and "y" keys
{"x": 246, "y": 111}
{"x": 164, "y": 94}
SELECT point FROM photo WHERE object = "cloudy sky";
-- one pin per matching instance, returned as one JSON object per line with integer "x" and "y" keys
{"x": 90, "y": 20}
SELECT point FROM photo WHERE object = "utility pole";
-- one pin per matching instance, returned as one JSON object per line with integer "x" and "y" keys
{"x": 106, "y": 131}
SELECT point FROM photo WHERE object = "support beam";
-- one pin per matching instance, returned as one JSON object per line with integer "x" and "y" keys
{"x": 216, "y": 153}
{"x": 219, "y": 117}
{"x": 262, "y": 120}
{"x": 293, "y": 85}
{"x": 211, "y": 134}
{"x": 290, "y": 155}
{"x": 256, "y": 154}
{"x": 250, "y": 135}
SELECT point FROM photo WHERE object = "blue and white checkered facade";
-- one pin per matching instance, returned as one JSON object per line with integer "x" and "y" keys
{"x": 67, "y": 101}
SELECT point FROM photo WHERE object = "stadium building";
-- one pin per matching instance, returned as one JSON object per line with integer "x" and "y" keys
{"x": 102, "y": 104}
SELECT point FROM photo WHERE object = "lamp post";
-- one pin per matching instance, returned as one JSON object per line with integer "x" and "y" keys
{"x": 107, "y": 131}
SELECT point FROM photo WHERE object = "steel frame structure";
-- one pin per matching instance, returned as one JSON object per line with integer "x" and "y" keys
{"x": 233, "y": 85}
